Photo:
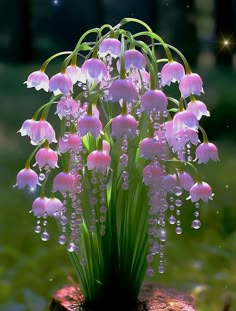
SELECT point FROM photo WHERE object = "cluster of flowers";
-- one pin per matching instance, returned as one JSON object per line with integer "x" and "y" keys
{"x": 113, "y": 105}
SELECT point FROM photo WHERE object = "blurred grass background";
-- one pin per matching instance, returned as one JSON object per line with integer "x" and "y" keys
{"x": 202, "y": 262}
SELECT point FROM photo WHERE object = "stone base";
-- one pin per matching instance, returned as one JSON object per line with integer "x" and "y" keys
{"x": 153, "y": 297}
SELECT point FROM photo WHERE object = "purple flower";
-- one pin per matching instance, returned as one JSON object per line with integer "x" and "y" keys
{"x": 124, "y": 124}
{"x": 133, "y": 59}
{"x": 198, "y": 108}
{"x": 60, "y": 83}
{"x": 64, "y": 182}
{"x": 200, "y": 191}
{"x": 94, "y": 70}
{"x": 46, "y": 156}
{"x": 39, "y": 80}
{"x": 154, "y": 101}
{"x": 38, "y": 206}
{"x": 111, "y": 47}
{"x": 89, "y": 124}
{"x": 52, "y": 206}
{"x": 27, "y": 177}
{"x": 99, "y": 160}
{"x": 171, "y": 72}
{"x": 191, "y": 84}
{"x": 205, "y": 152}
{"x": 42, "y": 130}
{"x": 122, "y": 89}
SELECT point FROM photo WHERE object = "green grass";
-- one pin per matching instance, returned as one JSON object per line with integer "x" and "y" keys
{"x": 201, "y": 262}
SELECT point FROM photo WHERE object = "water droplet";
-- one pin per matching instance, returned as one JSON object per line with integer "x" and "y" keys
{"x": 37, "y": 229}
{"x": 196, "y": 224}
{"x": 178, "y": 191}
{"x": 162, "y": 235}
{"x": 172, "y": 220}
{"x": 67, "y": 108}
{"x": 197, "y": 205}
{"x": 161, "y": 269}
{"x": 62, "y": 239}
{"x": 41, "y": 177}
{"x": 178, "y": 203}
{"x": 71, "y": 247}
{"x": 150, "y": 272}
{"x": 65, "y": 138}
{"x": 45, "y": 236}
{"x": 178, "y": 230}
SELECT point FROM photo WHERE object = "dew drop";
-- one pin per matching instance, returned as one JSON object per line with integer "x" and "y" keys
{"x": 178, "y": 191}
{"x": 196, "y": 224}
{"x": 37, "y": 229}
{"x": 45, "y": 236}
{"x": 172, "y": 220}
{"x": 41, "y": 177}
{"x": 178, "y": 203}
{"x": 178, "y": 230}
{"x": 62, "y": 239}
{"x": 150, "y": 272}
{"x": 71, "y": 247}
{"x": 161, "y": 269}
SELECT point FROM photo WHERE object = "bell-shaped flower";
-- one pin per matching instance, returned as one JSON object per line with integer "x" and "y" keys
{"x": 94, "y": 70}
{"x": 64, "y": 182}
{"x": 152, "y": 175}
{"x": 52, "y": 206}
{"x": 184, "y": 180}
{"x": 60, "y": 83}
{"x": 66, "y": 107}
{"x": 89, "y": 124}
{"x": 71, "y": 141}
{"x": 200, "y": 191}
{"x": 26, "y": 128}
{"x": 99, "y": 160}
{"x": 74, "y": 73}
{"x": 42, "y": 130}
{"x": 27, "y": 177}
{"x": 185, "y": 120}
{"x": 122, "y": 89}
{"x": 124, "y": 124}
{"x": 171, "y": 72}
{"x": 39, "y": 80}
{"x": 110, "y": 46}
{"x": 133, "y": 59}
{"x": 191, "y": 84}
{"x": 46, "y": 156}
{"x": 198, "y": 108}
{"x": 206, "y": 151}
{"x": 168, "y": 182}
{"x": 150, "y": 147}
{"x": 154, "y": 101}
{"x": 38, "y": 206}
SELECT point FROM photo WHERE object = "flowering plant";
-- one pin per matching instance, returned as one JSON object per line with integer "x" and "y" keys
{"x": 127, "y": 154}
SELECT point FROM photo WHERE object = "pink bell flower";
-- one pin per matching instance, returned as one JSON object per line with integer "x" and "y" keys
{"x": 200, "y": 191}
{"x": 89, "y": 124}
{"x": 39, "y": 80}
{"x": 52, "y": 206}
{"x": 26, "y": 128}
{"x": 149, "y": 148}
{"x": 168, "y": 182}
{"x": 185, "y": 120}
{"x": 122, "y": 89}
{"x": 94, "y": 70}
{"x": 60, "y": 83}
{"x": 171, "y": 72}
{"x": 198, "y": 108}
{"x": 110, "y": 46}
{"x": 38, "y": 206}
{"x": 46, "y": 156}
{"x": 64, "y": 182}
{"x": 191, "y": 84}
{"x": 124, "y": 124}
{"x": 74, "y": 73}
{"x": 133, "y": 59}
{"x": 99, "y": 160}
{"x": 152, "y": 175}
{"x": 71, "y": 142}
{"x": 67, "y": 106}
{"x": 154, "y": 101}
{"x": 184, "y": 180}
{"x": 106, "y": 146}
{"x": 27, "y": 177}
{"x": 206, "y": 151}
{"x": 42, "y": 130}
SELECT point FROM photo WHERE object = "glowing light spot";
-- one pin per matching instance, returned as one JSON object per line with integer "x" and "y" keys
{"x": 226, "y": 42}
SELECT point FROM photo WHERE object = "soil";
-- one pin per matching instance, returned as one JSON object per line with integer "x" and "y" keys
{"x": 153, "y": 297}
